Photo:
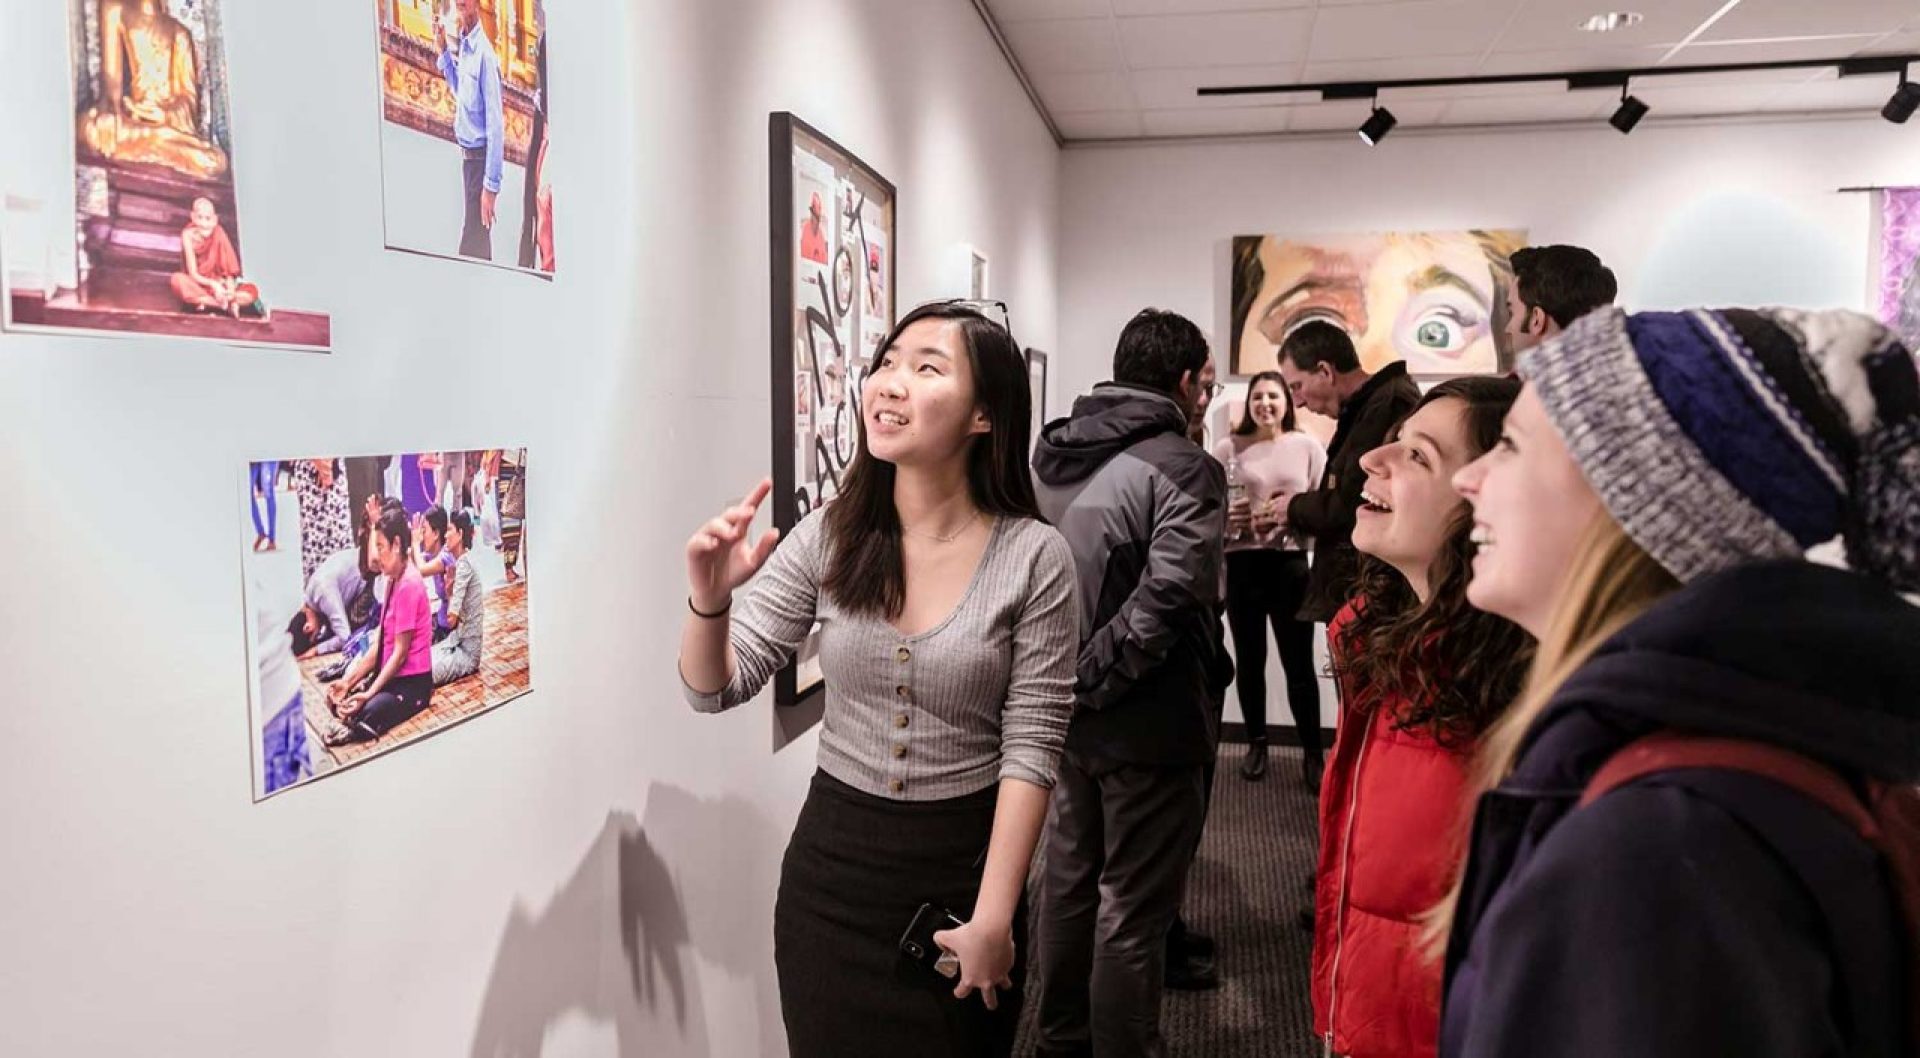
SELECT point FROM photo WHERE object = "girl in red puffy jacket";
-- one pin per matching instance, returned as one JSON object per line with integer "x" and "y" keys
{"x": 1421, "y": 675}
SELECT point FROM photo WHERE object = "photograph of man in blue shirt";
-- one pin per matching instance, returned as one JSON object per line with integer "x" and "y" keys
{"x": 472, "y": 71}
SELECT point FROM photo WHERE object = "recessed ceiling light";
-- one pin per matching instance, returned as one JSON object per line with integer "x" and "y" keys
{"x": 1612, "y": 20}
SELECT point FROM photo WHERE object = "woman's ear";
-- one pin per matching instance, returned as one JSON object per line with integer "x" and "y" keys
{"x": 981, "y": 424}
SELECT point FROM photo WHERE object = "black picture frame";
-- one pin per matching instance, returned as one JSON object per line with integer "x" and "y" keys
{"x": 805, "y": 354}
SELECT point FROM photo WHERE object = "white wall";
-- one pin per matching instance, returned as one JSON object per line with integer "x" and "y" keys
{"x": 1684, "y": 214}
{"x": 592, "y": 866}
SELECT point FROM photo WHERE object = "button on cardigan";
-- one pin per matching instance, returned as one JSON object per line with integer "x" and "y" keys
{"x": 984, "y": 695}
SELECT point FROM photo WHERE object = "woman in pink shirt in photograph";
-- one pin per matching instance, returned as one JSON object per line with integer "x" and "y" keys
{"x": 404, "y": 682}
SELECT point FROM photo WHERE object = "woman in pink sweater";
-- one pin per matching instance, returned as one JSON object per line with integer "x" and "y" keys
{"x": 1268, "y": 460}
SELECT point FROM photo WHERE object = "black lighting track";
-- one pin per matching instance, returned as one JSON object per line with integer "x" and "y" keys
{"x": 1855, "y": 67}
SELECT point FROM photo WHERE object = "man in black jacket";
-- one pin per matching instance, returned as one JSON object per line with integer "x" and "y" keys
{"x": 1144, "y": 511}
{"x": 1323, "y": 371}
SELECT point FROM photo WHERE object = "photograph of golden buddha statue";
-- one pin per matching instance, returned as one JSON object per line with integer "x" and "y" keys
{"x": 463, "y": 131}
{"x": 153, "y": 243}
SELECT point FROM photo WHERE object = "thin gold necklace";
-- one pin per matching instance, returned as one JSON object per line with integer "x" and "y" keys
{"x": 950, "y": 538}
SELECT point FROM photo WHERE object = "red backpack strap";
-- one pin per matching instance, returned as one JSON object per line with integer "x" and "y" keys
{"x": 1889, "y": 818}
{"x": 1671, "y": 750}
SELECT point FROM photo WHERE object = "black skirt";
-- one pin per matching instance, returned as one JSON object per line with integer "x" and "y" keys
{"x": 856, "y": 871}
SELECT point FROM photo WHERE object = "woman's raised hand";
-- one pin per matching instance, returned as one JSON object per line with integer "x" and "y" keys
{"x": 720, "y": 558}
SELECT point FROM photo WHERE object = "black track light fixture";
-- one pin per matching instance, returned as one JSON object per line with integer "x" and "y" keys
{"x": 1377, "y": 125}
{"x": 1906, "y": 99}
{"x": 1628, "y": 113}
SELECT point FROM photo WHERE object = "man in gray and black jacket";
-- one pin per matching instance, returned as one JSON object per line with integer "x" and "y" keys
{"x": 1144, "y": 511}
{"x": 1322, "y": 369}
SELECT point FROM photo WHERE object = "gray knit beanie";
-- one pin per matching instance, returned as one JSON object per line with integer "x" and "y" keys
{"x": 1717, "y": 438}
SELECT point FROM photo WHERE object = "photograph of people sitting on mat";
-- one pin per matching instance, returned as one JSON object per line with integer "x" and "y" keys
{"x": 127, "y": 218}
{"x": 403, "y": 611}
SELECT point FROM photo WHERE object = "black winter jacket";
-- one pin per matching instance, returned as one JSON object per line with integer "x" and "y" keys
{"x": 1144, "y": 510}
{"x": 1698, "y": 912}
{"x": 1327, "y": 513}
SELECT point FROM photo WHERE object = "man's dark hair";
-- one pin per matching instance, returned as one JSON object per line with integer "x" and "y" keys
{"x": 297, "y": 628}
{"x": 1565, "y": 282}
{"x": 1317, "y": 342}
{"x": 1156, "y": 348}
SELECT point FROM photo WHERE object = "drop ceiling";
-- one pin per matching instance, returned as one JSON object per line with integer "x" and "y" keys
{"x": 1129, "y": 69}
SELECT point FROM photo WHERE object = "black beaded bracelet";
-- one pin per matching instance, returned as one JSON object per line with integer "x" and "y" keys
{"x": 721, "y": 612}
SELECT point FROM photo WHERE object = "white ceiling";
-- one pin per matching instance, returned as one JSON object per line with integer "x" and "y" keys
{"x": 1124, "y": 69}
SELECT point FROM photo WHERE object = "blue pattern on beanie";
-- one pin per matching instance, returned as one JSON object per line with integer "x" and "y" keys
{"x": 1743, "y": 438}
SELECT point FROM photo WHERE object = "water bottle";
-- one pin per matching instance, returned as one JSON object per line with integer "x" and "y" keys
{"x": 1236, "y": 491}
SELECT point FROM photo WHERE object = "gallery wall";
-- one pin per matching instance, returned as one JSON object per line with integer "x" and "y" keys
{"x": 590, "y": 869}
{"x": 1686, "y": 214}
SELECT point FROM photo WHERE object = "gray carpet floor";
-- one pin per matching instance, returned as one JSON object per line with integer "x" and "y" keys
{"x": 1247, "y": 886}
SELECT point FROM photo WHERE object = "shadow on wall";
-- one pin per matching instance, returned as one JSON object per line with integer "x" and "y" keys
{"x": 615, "y": 946}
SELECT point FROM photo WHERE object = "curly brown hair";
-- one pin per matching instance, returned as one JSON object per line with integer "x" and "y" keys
{"x": 1459, "y": 668}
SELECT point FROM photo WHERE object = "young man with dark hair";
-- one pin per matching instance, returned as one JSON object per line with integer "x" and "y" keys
{"x": 1552, "y": 287}
{"x": 1322, "y": 369}
{"x": 1144, "y": 511}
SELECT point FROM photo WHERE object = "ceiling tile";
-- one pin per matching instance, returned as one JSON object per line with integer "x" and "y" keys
{"x": 1609, "y": 58}
{"x": 1555, "y": 24}
{"x": 1239, "y": 121}
{"x": 1065, "y": 93}
{"x": 1773, "y": 50}
{"x": 1077, "y": 45}
{"x": 1386, "y": 31}
{"x": 1200, "y": 7}
{"x": 1731, "y": 77}
{"x": 1805, "y": 18}
{"x": 1176, "y": 89}
{"x": 1564, "y": 106}
{"x": 1394, "y": 69}
{"x": 1005, "y": 11}
{"x": 1099, "y": 125}
{"x": 1246, "y": 39}
{"x": 1907, "y": 43}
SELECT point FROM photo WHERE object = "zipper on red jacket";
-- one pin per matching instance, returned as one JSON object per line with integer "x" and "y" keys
{"x": 1346, "y": 860}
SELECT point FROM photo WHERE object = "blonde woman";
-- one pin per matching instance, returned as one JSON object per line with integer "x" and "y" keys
{"x": 1645, "y": 515}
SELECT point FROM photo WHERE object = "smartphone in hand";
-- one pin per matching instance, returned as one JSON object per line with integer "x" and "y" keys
{"x": 917, "y": 943}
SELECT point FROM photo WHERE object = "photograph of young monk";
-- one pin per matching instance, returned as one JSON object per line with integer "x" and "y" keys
{"x": 131, "y": 222}
{"x": 210, "y": 279}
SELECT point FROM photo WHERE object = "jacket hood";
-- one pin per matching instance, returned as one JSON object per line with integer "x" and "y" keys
{"x": 1818, "y": 660}
{"x": 1104, "y": 423}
